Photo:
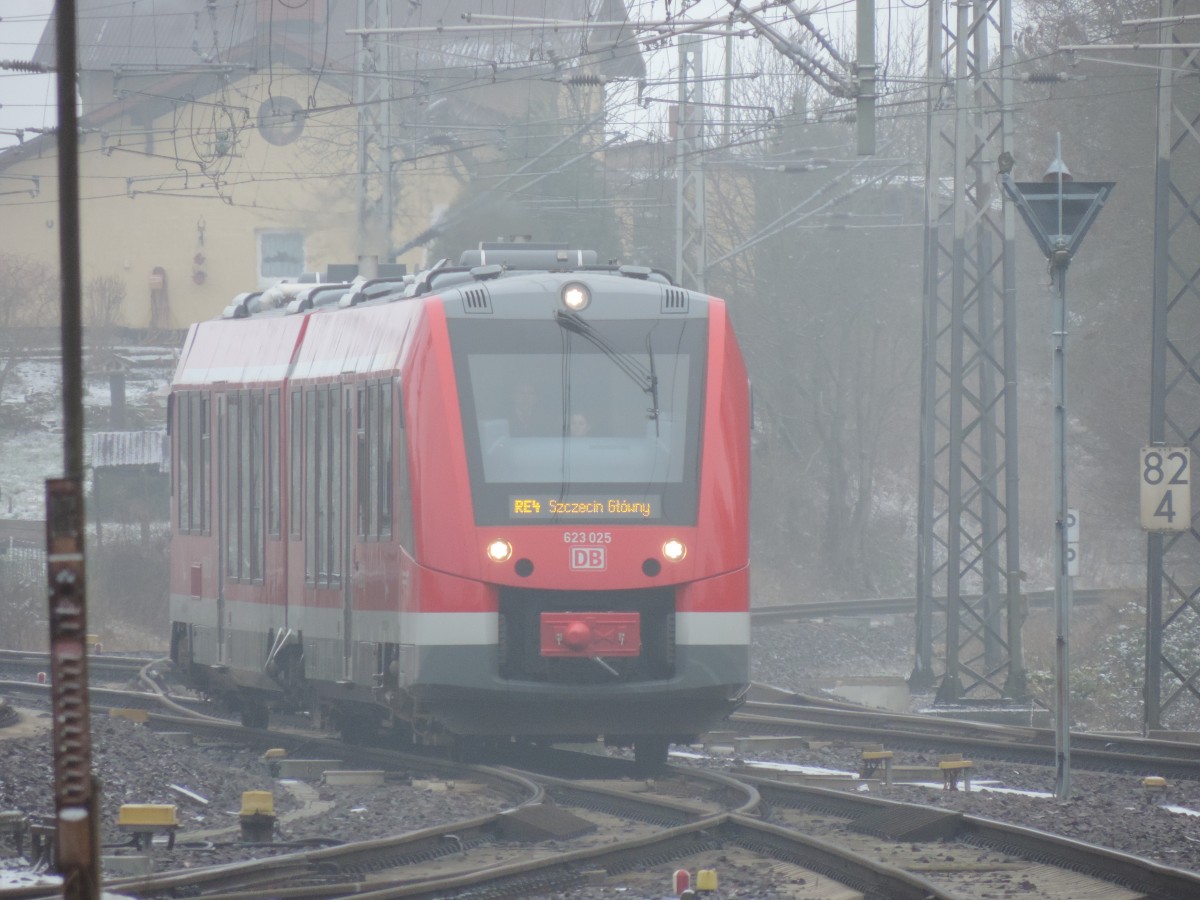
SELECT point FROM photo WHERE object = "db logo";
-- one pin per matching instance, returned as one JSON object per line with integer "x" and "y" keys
{"x": 588, "y": 558}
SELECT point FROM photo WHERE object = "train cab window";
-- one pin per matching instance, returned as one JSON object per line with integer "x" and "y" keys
{"x": 605, "y": 424}
{"x": 194, "y": 475}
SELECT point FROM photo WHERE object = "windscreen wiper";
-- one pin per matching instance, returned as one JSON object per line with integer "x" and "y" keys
{"x": 641, "y": 375}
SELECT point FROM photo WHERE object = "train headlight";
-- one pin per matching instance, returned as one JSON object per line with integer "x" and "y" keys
{"x": 674, "y": 550}
{"x": 499, "y": 550}
{"x": 576, "y": 296}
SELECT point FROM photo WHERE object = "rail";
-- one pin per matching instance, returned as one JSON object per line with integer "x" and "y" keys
{"x": 879, "y": 606}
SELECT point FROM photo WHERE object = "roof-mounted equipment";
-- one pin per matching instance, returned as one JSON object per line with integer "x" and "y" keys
{"x": 527, "y": 256}
{"x": 242, "y": 306}
{"x": 375, "y": 288}
{"x": 314, "y": 296}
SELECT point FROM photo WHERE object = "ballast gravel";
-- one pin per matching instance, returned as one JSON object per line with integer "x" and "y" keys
{"x": 136, "y": 765}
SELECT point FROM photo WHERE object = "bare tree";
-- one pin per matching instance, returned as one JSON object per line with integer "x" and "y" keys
{"x": 22, "y": 594}
{"x": 28, "y": 293}
{"x": 102, "y": 299}
{"x": 818, "y": 253}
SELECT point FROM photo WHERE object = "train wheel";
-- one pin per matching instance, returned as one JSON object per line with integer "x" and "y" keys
{"x": 255, "y": 714}
{"x": 650, "y": 753}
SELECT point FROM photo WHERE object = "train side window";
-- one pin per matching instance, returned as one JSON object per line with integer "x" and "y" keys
{"x": 333, "y": 531}
{"x": 183, "y": 466}
{"x": 295, "y": 474}
{"x": 312, "y": 447}
{"x": 373, "y": 460}
{"x": 202, "y": 498}
{"x": 383, "y": 469}
{"x": 374, "y": 449}
{"x": 400, "y": 508}
{"x": 362, "y": 397}
{"x": 323, "y": 440}
{"x": 245, "y": 460}
{"x": 172, "y": 454}
{"x": 273, "y": 475}
{"x": 194, "y": 464}
{"x": 255, "y": 489}
{"x": 233, "y": 471}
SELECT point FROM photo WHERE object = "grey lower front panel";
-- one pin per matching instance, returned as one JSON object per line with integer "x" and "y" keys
{"x": 459, "y": 687}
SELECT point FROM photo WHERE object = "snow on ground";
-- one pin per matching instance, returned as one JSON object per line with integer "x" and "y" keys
{"x": 27, "y": 459}
{"x": 31, "y": 440}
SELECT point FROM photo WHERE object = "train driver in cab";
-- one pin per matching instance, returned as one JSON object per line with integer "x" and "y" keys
{"x": 528, "y": 418}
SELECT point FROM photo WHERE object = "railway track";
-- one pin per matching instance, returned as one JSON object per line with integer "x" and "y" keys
{"x": 116, "y": 698}
{"x": 879, "y": 606}
{"x": 642, "y": 828}
{"x": 100, "y": 666}
{"x": 795, "y": 714}
{"x": 961, "y": 853}
{"x": 756, "y": 831}
{"x": 686, "y": 814}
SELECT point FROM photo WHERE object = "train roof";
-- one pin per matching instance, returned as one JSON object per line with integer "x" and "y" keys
{"x": 275, "y": 336}
{"x": 488, "y": 262}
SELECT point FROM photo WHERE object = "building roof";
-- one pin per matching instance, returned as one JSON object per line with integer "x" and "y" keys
{"x": 119, "y": 449}
{"x": 193, "y": 47}
{"x": 168, "y": 35}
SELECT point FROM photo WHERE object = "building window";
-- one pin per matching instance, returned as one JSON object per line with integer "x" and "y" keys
{"x": 280, "y": 255}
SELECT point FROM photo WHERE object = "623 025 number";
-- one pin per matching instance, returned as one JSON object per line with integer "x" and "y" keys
{"x": 587, "y": 537}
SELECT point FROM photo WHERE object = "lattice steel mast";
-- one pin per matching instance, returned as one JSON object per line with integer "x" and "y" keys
{"x": 968, "y": 526}
{"x": 1173, "y": 560}
{"x": 690, "y": 256}
{"x": 373, "y": 97}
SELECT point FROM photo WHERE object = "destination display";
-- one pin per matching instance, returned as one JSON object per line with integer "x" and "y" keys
{"x": 588, "y": 507}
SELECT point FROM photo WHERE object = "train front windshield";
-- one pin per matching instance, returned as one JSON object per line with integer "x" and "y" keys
{"x": 582, "y": 420}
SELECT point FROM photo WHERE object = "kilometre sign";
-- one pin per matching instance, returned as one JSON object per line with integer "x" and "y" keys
{"x": 1166, "y": 482}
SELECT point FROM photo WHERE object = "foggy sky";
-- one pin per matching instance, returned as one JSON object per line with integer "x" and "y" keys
{"x": 26, "y": 101}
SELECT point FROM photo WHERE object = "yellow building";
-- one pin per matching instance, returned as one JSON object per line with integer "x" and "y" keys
{"x": 221, "y": 142}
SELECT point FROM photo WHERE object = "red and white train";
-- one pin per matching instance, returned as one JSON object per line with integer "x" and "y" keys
{"x": 500, "y": 500}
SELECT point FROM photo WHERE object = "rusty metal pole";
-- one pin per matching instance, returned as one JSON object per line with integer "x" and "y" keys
{"x": 76, "y": 795}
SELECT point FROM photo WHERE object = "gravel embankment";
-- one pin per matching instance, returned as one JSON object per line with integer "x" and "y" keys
{"x": 1110, "y": 810}
{"x": 137, "y": 766}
